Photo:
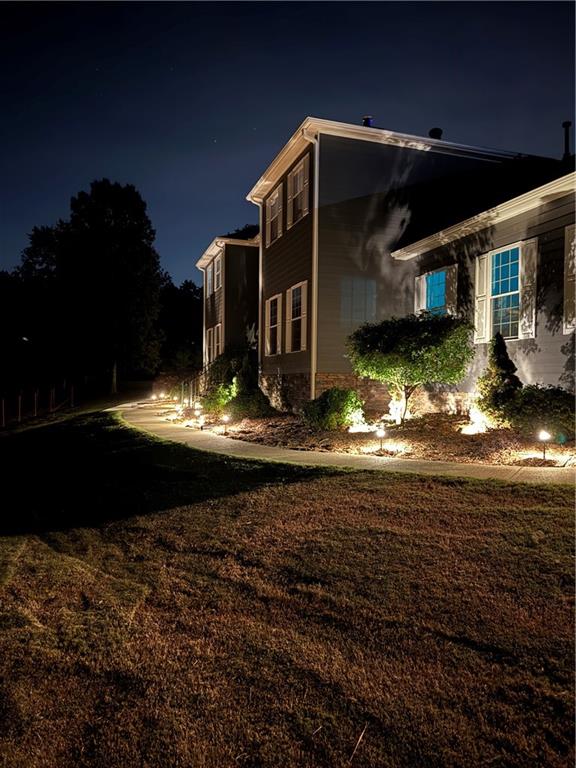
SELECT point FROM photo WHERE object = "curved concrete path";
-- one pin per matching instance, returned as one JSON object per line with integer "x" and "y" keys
{"x": 150, "y": 418}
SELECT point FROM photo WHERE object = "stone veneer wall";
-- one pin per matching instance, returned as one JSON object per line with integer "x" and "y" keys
{"x": 286, "y": 391}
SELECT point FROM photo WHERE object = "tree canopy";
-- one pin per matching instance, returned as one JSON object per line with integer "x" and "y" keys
{"x": 408, "y": 352}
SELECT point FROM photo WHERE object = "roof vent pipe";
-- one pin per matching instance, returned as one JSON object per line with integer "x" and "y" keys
{"x": 435, "y": 133}
{"x": 567, "y": 124}
{"x": 368, "y": 121}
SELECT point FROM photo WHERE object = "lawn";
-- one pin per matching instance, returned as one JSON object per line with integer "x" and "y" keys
{"x": 160, "y": 607}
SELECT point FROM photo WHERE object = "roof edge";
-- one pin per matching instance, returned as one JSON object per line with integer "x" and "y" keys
{"x": 217, "y": 246}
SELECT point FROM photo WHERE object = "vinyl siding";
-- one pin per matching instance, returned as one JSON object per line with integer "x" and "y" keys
{"x": 286, "y": 262}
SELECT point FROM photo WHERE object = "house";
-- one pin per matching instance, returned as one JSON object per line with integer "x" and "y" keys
{"x": 509, "y": 269}
{"x": 230, "y": 271}
{"x": 334, "y": 203}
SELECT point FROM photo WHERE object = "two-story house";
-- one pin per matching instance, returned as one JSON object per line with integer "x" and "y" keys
{"x": 511, "y": 270}
{"x": 230, "y": 270}
{"x": 333, "y": 204}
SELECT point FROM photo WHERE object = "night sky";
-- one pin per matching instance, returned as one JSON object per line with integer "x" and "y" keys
{"x": 190, "y": 101}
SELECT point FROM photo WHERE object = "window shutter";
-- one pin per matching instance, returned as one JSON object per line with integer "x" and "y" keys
{"x": 419, "y": 293}
{"x": 452, "y": 289}
{"x": 569, "y": 278}
{"x": 304, "y": 314}
{"x": 267, "y": 209}
{"x": 481, "y": 300}
{"x": 290, "y": 194}
{"x": 279, "y": 329}
{"x": 288, "y": 336}
{"x": 267, "y": 328}
{"x": 305, "y": 202}
{"x": 528, "y": 266}
{"x": 280, "y": 210}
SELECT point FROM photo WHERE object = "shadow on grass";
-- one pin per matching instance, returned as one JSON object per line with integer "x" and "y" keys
{"x": 93, "y": 469}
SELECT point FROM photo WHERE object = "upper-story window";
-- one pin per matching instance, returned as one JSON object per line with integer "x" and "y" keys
{"x": 218, "y": 340}
{"x": 296, "y": 311}
{"x": 209, "y": 345}
{"x": 274, "y": 216}
{"x": 209, "y": 279}
{"x": 217, "y": 273}
{"x": 273, "y": 323}
{"x": 505, "y": 292}
{"x": 436, "y": 291}
{"x": 298, "y": 192}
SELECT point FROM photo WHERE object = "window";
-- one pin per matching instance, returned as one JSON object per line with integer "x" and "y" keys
{"x": 357, "y": 301}
{"x": 273, "y": 325}
{"x": 436, "y": 291}
{"x": 296, "y": 301}
{"x": 298, "y": 192}
{"x": 505, "y": 292}
{"x": 218, "y": 340}
{"x": 217, "y": 272}
{"x": 209, "y": 345}
{"x": 274, "y": 216}
{"x": 209, "y": 277}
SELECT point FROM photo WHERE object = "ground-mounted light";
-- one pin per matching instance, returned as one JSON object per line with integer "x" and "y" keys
{"x": 201, "y": 421}
{"x": 197, "y": 406}
{"x": 544, "y": 436}
{"x": 225, "y": 420}
{"x": 162, "y": 395}
{"x": 154, "y": 397}
{"x": 381, "y": 434}
{"x": 477, "y": 424}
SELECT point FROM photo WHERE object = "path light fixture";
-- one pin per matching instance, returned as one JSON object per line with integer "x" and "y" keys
{"x": 225, "y": 419}
{"x": 154, "y": 397}
{"x": 381, "y": 434}
{"x": 201, "y": 420}
{"x": 162, "y": 395}
{"x": 544, "y": 436}
{"x": 197, "y": 406}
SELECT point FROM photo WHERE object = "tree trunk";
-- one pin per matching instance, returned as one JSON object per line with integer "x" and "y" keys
{"x": 113, "y": 380}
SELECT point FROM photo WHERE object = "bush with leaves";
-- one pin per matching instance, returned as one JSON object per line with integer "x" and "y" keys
{"x": 335, "y": 408}
{"x": 537, "y": 407}
{"x": 498, "y": 386}
{"x": 218, "y": 397}
{"x": 250, "y": 405}
{"x": 409, "y": 352}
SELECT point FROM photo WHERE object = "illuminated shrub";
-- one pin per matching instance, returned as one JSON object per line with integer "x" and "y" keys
{"x": 335, "y": 409}
{"x": 536, "y": 407}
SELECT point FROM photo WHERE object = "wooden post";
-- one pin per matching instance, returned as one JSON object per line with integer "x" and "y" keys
{"x": 35, "y": 403}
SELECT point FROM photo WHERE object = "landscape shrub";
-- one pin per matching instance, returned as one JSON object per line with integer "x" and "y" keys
{"x": 217, "y": 398}
{"x": 250, "y": 405}
{"x": 537, "y": 407}
{"x": 498, "y": 386}
{"x": 335, "y": 409}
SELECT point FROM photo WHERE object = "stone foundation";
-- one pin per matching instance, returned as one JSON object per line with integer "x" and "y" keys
{"x": 286, "y": 391}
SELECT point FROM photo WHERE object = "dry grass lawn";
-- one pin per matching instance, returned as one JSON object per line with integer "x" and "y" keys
{"x": 164, "y": 608}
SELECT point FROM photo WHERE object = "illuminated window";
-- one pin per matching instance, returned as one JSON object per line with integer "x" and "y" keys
{"x": 298, "y": 192}
{"x": 436, "y": 292}
{"x": 274, "y": 216}
{"x": 296, "y": 311}
{"x": 273, "y": 325}
{"x": 505, "y": 292}
{"x": 217, "y": 272}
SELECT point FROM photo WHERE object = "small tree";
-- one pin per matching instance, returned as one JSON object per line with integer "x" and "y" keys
{"x": 498, "y": 386}
{"x": 408, "y": 352}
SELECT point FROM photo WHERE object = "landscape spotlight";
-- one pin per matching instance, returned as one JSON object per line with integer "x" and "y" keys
{"x": 381, "y": 433}
{"x": 543, "y": 436}
{"x": 154, "y": 397}
{"x": 225, "y": 419}
{"x": 197, "y": 406}
{"x": 162, "y": 395}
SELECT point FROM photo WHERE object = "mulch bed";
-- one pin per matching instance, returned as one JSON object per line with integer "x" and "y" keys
{"x": 434, "y": 437}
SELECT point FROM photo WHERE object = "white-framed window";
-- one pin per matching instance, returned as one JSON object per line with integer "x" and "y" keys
{"x": 274, "y": 216}
{"x": 296, "y": 313}
{"x": 217, "y": 340}
{"x": 505, "y": 292}
{"x": 298, "y": 179}
{"x": 209, "y": 279}
{"x": 209, "y": 345}
{"x": 217, "y": 273}
{"x": 273, "y": 324}
{"x": 569, "y": 278}
{"x": 358, "y": 301}
{"x": 436, "y": 291}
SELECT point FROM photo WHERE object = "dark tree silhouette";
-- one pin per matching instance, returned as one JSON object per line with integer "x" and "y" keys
{"x": 247, "y": 232}
{"x": 180, "y": 323}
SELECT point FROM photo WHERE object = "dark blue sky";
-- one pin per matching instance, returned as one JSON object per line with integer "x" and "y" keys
{"x": 190, "y": 101}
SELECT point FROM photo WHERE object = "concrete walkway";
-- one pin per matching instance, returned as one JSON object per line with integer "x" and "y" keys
{"x": 151, "y": 418}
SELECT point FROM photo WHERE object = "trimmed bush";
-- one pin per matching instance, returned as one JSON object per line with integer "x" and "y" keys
{"x": 218, "y": 397}
{"x": 335, "y": 409}
{"x": 536, "y": 407}
{"x": 499, "y": 385}
{"x": 250, "y": 405}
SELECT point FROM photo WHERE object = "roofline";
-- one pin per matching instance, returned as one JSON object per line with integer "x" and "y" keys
{"x": 217, "y": 246}
{"x": 509, "y": 209}
{"x": 311, "y": 127}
